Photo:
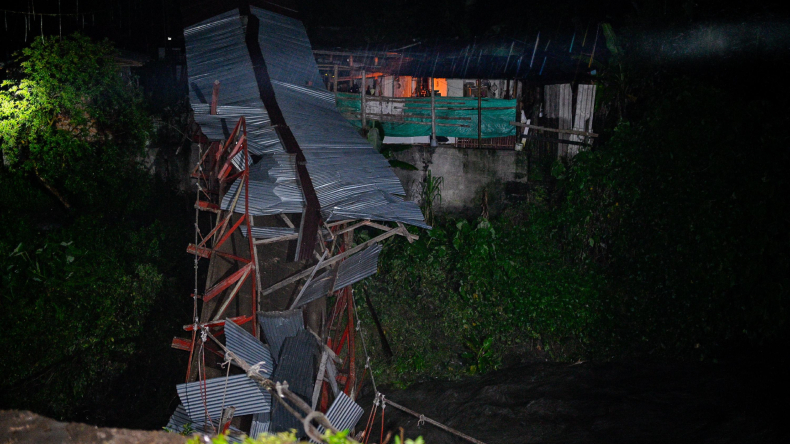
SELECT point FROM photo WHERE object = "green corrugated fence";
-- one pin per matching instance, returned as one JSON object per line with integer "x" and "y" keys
{"x": 410, "y": 117}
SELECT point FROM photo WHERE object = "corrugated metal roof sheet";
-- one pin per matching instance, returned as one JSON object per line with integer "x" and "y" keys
{"x": 351, "y": 179}
{"x": 180, "y": 422}
{"x": 351, "y": 271}
{"x": 343, "y": 414}
{"x": 261, "y": 423}
{"x": 269, "y": 232}
{"x": 279, "y": 325}
{"x": 215, "y": 50}
{"x": 242, "y": 393}
{"x": 296, "y": 363}
{"x": 296, "y": 366}
{"x": 358, "y": 267}
{"x": 245, "y": 346}
{"x": 283, "y": 420}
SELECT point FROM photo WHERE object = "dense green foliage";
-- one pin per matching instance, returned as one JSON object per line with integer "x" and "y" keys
{"x": 669, "y": 241}
{"x": 70, "y": 118}
{"x": 465, "y": 295}
{"x": 685, "y": 212}
{"x": 79, "y": 283}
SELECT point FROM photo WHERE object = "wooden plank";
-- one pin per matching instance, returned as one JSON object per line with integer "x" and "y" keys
{"x": 385, "y": 119}
{"x": 565, "y": 109}
{"x": 363, "y": 93}
{"x": 479, "y": 115}
{"x": 554, "y": 130}
{"x": 334, "y": 80}
{"x": 309, "y": 279}
{"x": 405, "y": 116}
{"x": 296, "y": 235}
{"x": 585, "y": 103}
{"x": 376, "y": 225}
{"x": 333, "y": 260}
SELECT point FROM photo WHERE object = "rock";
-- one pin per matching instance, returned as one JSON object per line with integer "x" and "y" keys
{"x": 20, "y": 427}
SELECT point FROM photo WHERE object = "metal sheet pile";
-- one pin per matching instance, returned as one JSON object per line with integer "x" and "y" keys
{"x": 297, "y": 353}
{"x": 351, "y": 179}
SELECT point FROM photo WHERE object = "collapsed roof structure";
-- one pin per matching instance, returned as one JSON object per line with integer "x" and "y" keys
{"x": 275, "y": 151}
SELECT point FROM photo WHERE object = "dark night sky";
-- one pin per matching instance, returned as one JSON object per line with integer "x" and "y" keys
{"x": 144, "y": 25}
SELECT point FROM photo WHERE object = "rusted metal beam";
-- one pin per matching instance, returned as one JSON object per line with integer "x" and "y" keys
{"x": 222, "y": 285}
{"x": 239, "y": 320}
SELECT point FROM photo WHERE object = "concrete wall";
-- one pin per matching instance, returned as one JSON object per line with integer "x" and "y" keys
{"x": 467, "y": 175}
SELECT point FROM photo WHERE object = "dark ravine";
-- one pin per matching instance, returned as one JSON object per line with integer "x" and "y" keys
{"x": 597, "y": 403}
{"x": 542, "y": 403}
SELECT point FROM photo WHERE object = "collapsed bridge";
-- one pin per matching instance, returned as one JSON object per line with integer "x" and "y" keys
{"x": 283, "y": 181}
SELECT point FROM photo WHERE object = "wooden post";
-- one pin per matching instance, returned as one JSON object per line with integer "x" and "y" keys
{"x": 214, "y": 98}
{"x": 479, "y": 114}
{"x": 433, "y": 115}
{"x": 362, "y": 102}
{"x": 334, "y": 81}
{"x": 518, "y": 106}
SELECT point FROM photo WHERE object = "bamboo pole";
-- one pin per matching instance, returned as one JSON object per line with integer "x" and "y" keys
{"x": 334, "y": 81}
{"x": 363, "y": 101}
{"x": 433, "y": 115}
{"x": 479, "y": 114}
{"x": 555, "y": 130}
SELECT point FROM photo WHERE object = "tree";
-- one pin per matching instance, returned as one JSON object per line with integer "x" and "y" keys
{"x": 67, "y": 111}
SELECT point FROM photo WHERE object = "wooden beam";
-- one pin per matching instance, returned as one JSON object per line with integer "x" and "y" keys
{"x": 287, "y": 221}
{"x": 385, "y": 118}
{"x": 433, "y": 117}
{"x": 335, "y": 259}
{"x": 479, "y": 114}
{"x": 296, "y": 235}
{"x": 554, "y": 130}
{"x": 334, "y": 80}
{"x": 232, "y": 295}
{"x": 406, "y": 116}
{"x": 309, "y": 279}
{"x": 376, "y": 225}
{"x": 363, "y": 108}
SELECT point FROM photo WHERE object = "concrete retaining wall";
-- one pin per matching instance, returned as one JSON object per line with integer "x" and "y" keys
{"x": 468, "y": 174}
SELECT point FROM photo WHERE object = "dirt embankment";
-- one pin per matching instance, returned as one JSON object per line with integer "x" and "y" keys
{"x": 20, "y": 427}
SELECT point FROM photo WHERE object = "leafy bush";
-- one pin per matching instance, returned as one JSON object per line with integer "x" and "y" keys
{"x": 290, "y": 437}
{"x": 669, "y": 241}
{"x": 80, "y": 281}
{"x": 465, "y": 295}
{"x": 684, "y": 210}
{"x": 69, "y": 118}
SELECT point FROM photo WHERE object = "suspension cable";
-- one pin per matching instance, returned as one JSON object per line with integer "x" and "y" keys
{"x": 384, "y": 401}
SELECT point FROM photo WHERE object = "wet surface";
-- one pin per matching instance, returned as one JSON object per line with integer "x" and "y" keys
{"x": 606, "y": 403}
